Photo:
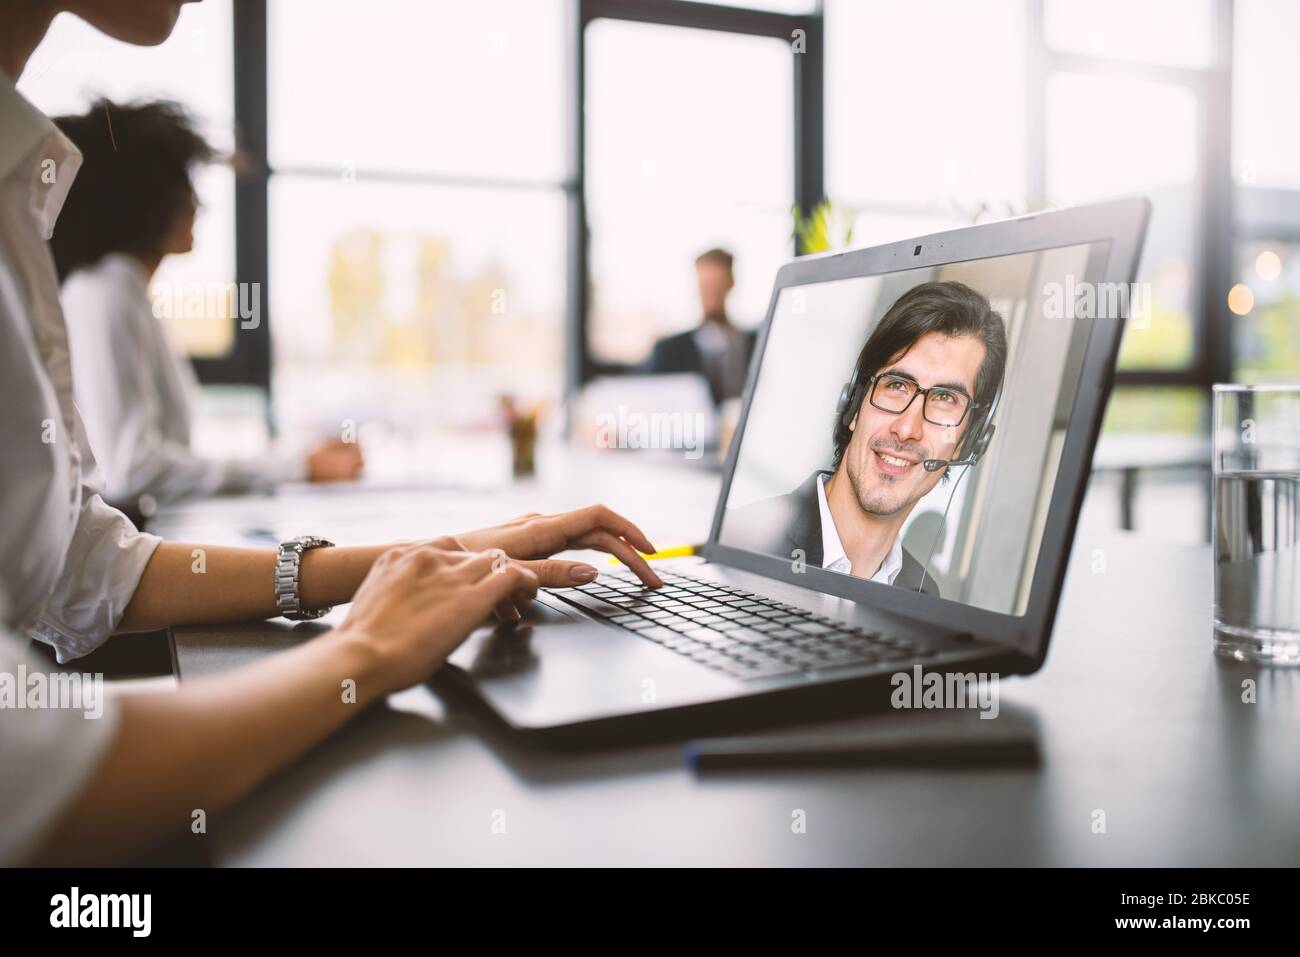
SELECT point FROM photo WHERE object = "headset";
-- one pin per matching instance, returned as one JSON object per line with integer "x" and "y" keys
{"x": 973, "y": 447}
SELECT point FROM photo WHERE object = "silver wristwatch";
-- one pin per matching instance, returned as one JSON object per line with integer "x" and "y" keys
{"x": 288, "y": 565}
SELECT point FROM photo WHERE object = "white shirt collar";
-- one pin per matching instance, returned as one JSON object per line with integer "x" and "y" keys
{"x": 833, "y": 555}
{"x": 32, "y": 140}
{"x": 711, "y": 336}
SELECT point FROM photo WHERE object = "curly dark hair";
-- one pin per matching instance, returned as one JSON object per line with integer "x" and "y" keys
{"x": 133, "y": 183}
{"x": 950, "y": 308}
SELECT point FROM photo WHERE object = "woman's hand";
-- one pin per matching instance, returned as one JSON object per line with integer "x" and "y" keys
{"x": 334, "y": 461}
{"x": 420, "y": 601}
{"x": 534, "y": 538}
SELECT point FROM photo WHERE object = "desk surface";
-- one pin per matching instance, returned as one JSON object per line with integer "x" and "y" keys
{"x": 1135, "y": 718}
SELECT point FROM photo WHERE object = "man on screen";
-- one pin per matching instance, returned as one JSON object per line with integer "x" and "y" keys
{"x": 925, "y": 379}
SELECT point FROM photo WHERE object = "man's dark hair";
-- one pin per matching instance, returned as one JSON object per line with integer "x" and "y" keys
{"x": 948, "y": 308}
{"x": 719, "y": 257}
{"x": 133, "y": 183}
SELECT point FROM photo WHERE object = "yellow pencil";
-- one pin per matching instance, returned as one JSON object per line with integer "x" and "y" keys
{"x": 681, "y": 551}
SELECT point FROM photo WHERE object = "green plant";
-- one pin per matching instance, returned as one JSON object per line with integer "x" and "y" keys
{"x": 813, "y": 233}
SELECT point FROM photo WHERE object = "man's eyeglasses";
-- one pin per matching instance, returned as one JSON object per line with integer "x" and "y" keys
{"x": 894, "y": 393}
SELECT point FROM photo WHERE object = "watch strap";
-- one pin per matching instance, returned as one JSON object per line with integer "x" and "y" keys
{"x": 288, "y": 575}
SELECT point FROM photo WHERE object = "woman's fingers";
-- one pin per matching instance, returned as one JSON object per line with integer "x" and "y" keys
{"x": 557, "y": 573}
{"x": 600, "y": 518}
{"x": 471, "y": 566}
{"x": 511, "y": 582}
{"x": 629, "y": 556}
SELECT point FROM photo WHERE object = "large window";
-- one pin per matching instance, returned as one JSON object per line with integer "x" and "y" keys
{"x": 1266, "y": 307}
{"x": 924, "y": 128}
{"x": 1265, "y": 78}
{"x": 1170, "y": 32}
{"x": 701, "y": 157}
{"x": 1265, "y": 296}
{"x": 416, "y": 207}
{"x": 1148, "y": 145}
{"x": 1132, "y": 95}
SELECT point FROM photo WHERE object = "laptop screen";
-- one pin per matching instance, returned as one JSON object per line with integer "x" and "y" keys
{"x": 869, "y": 385}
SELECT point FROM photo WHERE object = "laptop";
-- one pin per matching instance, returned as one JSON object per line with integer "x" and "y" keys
{"x": 899, "y": 499}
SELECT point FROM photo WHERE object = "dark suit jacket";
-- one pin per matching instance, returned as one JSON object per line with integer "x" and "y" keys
{"x": 681, "y": 353}
{"x": 777, "y": 526}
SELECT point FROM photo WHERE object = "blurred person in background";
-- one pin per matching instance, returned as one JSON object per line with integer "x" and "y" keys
{"x": 132, "y": 205}
{"x": 715, "y": 348}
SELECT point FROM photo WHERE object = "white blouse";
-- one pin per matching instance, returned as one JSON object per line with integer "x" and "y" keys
{"x": 69, "y": 564}
{"x": 135, "y": 394}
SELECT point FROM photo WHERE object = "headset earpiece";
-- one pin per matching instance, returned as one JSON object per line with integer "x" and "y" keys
{"x": 978, "y": 439}
{"x": 843, "y": 404}
{"x": 847, "y": 408}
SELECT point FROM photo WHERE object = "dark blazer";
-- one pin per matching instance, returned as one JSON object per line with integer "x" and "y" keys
{"x": 681, "y": 353}
{"x": 779, "y": 525}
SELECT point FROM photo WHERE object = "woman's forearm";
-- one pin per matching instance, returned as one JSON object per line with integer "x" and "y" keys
{"x": 209, "y": 743}
{"x": 192, "y": 584}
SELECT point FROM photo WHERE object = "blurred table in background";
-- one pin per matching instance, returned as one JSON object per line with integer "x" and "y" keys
{"x": 1128, "y": 455}
{"x": 463, "y": 485}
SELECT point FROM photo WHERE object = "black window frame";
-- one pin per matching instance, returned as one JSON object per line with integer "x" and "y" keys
{"x": 249, "y": 360}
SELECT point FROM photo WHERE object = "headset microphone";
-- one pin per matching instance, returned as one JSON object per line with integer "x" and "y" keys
{"x": 933, "y": 465}
{"x": 977, "y": 450}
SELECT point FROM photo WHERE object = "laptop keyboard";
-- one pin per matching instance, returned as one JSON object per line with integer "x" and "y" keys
{"x": 735, "y": 631}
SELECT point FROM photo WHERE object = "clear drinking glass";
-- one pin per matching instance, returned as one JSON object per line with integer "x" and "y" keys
{"x": 1257, "y": 522}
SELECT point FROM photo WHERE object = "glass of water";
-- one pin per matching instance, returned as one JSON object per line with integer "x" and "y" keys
{"x": 1257, "y": 522}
